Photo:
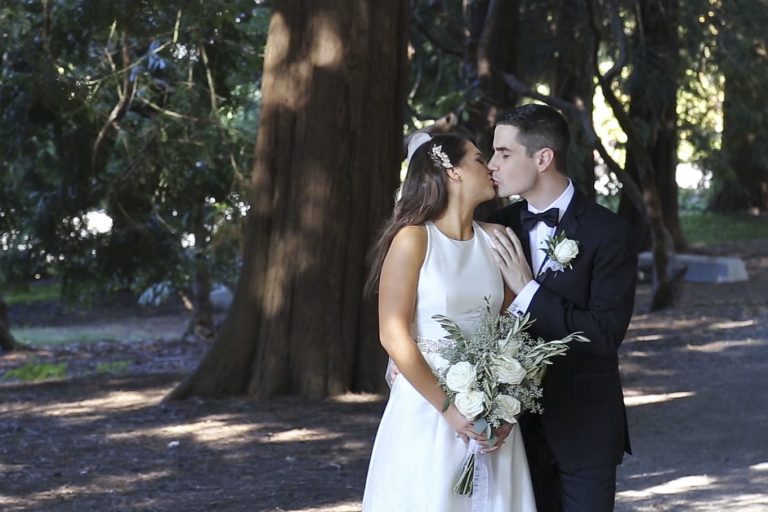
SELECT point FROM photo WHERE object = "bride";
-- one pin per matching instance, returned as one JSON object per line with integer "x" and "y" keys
{"x": 433, "y": 259}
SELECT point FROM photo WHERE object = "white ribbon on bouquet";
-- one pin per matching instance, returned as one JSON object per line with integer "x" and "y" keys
{"x": 482, "y": 481}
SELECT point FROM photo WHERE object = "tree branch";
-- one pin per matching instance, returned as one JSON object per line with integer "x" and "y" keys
{"x": 434, "y": 40}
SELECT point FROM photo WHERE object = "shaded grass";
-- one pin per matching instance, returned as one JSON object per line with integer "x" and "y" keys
{"x": 37, "y": 292}
{"x": 42, "y": 336}
{"x": 706, "y": 227}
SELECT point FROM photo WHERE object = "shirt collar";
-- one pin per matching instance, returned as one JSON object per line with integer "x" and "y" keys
{"x": 561, "y": 203}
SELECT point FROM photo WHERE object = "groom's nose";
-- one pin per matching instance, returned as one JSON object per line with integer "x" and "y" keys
{"x": 492, "y": 164}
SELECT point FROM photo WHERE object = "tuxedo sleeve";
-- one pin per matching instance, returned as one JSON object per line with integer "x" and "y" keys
{"x": 611, "y": 298}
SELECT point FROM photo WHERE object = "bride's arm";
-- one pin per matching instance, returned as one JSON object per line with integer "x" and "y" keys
{"x": 397, "y": 302}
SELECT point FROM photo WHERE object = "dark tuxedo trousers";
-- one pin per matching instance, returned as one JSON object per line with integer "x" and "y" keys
{"x": 583, "y": 425}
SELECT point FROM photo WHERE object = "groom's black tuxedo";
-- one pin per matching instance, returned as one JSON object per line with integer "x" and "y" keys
{"x": 584, "y": 421}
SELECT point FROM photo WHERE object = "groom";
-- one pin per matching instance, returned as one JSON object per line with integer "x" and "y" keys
{"x": 574, "y": 447}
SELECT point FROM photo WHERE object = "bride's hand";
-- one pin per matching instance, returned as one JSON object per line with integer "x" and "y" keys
{"x": 461, "y": 425}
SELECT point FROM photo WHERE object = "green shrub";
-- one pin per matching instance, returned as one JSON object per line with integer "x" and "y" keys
{"x": 32, "y": 372}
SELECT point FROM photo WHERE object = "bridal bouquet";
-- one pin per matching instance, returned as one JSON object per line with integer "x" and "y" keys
{"x": 495, "y": 374}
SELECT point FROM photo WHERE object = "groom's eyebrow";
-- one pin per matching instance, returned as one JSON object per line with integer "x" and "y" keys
{"x": 500, "y": 148}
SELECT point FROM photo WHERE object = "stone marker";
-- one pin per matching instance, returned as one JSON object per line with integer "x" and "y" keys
{"x": 701, "y": 268}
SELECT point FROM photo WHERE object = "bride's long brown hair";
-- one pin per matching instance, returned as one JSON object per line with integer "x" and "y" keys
{"x": 424, "y": 197}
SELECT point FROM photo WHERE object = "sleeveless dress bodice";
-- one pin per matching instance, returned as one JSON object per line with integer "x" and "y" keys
{"x": 455, "y": 278}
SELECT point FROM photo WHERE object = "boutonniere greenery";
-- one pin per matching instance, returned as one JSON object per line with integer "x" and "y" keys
{"x": 560, "y": 251}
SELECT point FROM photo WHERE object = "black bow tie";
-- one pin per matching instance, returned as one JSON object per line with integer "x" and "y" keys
{"x": 529, "y": 219}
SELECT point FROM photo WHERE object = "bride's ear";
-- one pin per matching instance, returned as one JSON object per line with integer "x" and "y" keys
{"x": 453, "y": 174}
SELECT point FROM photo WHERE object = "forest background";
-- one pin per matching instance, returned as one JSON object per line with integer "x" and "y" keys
{"x": 128, "y": 132}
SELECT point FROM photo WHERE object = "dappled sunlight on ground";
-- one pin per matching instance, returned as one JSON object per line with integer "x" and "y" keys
{"x": 732, "y": 325}
{"x": 694, "y": 381}
{"x": 111, "y": 402}
{"x": 357, "y": 398}
{"x": 698, "y": 493}
{"x": 675, "y": 486}
{"x": 722, "y": 345}
{"x": 301, "y": 434}
{"x": 222, "y": 434}
{"x": 695, "y": 387}
{"x": 55, "y": 497}
{"x": 111, "y": 444}
{"x": 633, "y": 399}
{"x": 349, "y": 506}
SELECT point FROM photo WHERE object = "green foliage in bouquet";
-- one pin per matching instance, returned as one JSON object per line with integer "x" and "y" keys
{"x": 495, "y": 374}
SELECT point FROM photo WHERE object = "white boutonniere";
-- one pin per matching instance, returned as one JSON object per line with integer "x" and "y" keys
{"x": 560, "y": 252}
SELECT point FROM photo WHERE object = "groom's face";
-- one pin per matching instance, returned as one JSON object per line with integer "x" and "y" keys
{"x": 513, "y": 171}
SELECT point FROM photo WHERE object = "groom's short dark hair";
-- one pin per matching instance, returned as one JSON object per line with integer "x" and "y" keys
{"x": 539, "y": 126}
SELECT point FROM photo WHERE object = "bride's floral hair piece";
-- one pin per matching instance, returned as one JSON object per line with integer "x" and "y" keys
{"x": 439, "y": 157}
{"x": 423, "y": 195}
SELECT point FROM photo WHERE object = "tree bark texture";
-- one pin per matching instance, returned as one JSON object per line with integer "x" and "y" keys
{"x": 7, "y": 342}
{"x": 326, "y": 167}
{"x": 664, "y": 284}
{"x": 653, "y": 90}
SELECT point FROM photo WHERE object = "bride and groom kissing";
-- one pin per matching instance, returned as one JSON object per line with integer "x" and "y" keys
{"x": 433, "y": 258}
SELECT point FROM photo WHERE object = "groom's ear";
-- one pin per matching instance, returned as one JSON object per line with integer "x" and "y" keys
{"x": 544, "y": 157}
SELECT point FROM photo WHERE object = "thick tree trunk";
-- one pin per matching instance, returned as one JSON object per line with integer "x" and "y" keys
{"x": 7, "y": 342}
{"x": 327, "y": 162}
{"x": 664, "y": 284}
{"x": 573, "y": 82}
{"x": 653, "y": 91}
{"x": 636, "y": 216}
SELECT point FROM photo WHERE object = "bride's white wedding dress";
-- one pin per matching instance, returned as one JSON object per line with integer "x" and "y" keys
{"x": 417, "y": 457}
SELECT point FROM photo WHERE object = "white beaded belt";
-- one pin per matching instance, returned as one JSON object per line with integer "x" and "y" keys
{"x": 432, "y": 345}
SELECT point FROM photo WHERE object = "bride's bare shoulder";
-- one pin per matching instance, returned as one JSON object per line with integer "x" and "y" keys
{"x": 411, "y": 239}
{"x": 489, "y": 227}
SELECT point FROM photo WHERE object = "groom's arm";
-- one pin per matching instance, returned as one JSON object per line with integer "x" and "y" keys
{"x": 611, "y": 299}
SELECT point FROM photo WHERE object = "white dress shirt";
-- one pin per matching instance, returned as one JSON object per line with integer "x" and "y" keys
{"x": 538, "y": 240}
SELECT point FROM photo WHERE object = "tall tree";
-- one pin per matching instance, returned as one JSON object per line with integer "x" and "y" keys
{"x": 742, "y": 182}
{"x": 653, "y": 89}
{"x": 664, "y": 283}
{"x": 327, "y": 160}
{"x": 137, "y": 111}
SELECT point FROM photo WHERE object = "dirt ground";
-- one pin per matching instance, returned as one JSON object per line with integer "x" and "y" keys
{"x": 101, "y": 440}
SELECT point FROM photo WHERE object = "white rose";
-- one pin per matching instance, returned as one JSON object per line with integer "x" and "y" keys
{"x": 470, "y": 404}
{"x": 508, "y": 370}
{"x": 565, "y": 251}
{"x": 508, "y": 407}
{"x": 461, "y": 377}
